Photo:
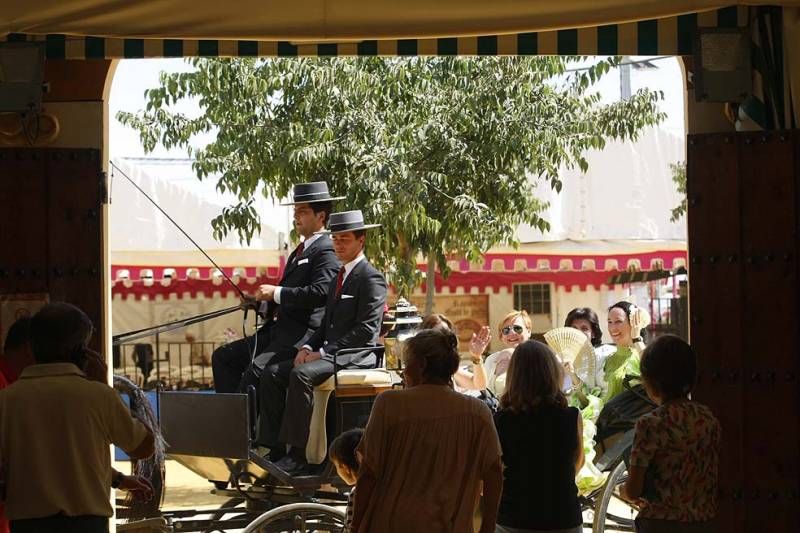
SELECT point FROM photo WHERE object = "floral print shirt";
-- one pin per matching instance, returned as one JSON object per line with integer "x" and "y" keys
{"x": 678, "y": 444}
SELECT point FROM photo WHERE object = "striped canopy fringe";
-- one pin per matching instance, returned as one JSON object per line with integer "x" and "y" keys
{"x": 767, "y": 106}
{"x": 664, "y": 36}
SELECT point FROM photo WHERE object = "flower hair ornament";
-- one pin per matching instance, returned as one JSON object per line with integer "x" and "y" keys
{"x": 639, "y": 319}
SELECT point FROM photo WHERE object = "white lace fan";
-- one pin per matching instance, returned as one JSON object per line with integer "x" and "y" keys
{"x": 569, "y": 344}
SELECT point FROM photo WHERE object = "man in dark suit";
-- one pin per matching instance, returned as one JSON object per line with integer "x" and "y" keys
{"x": 294, "y": 309}
{"x": 353, "y": 313}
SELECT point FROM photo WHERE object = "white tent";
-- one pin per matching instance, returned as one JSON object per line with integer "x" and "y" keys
{"x": 627, "y": 194}
{"x": 141, "y": 235}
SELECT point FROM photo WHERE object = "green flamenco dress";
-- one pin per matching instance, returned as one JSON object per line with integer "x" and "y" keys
{"x": 625, "y": 361}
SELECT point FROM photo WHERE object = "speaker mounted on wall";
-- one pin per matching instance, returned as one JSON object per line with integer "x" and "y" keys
{"x": 723, "y": 65}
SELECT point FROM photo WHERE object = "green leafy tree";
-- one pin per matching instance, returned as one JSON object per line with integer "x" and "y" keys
{"x": 678, "y": 171}
{"x": 445, "y": 153}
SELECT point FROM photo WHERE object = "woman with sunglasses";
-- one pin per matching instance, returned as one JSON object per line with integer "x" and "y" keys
{"x": 514, "y": 330}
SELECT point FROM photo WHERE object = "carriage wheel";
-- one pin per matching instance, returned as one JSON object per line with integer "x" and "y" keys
{"x": 300, "y": 518}
{"x": 609, "y": 507}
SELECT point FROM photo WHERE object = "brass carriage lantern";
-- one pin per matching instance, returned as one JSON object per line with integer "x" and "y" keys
{"x": 404, "y": 320}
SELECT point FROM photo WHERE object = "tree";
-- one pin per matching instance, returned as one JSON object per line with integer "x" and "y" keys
{"x": 445, "y": 153}
{"x": 678, "y": 171}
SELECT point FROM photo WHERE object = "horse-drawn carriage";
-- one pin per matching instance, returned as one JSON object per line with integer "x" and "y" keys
{"x": 212, "y": 435}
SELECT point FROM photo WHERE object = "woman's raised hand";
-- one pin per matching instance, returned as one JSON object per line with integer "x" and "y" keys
{"x": 479, "y": 341}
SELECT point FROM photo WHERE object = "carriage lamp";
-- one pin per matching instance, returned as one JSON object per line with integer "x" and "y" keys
{"x": 405, "y": 320}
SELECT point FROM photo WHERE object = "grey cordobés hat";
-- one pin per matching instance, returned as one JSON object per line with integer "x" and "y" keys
{"x": 347, "y": 221}
{"x": 307, "y": 193}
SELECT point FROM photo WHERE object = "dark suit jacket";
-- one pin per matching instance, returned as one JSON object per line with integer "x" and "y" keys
{"x": 353, "y": 319}
{"x": 304, "y": 290}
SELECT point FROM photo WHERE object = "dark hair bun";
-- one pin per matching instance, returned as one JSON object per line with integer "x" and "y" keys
{"x": 453, "y": 340}
{"x": 439, "y": 349}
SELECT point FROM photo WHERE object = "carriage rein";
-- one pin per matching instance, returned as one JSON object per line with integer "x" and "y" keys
{"x": 248, "y": 302}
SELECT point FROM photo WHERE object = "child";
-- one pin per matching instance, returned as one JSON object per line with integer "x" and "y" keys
{"x": 346, "y": 459}
{"x": 676, "y": 446}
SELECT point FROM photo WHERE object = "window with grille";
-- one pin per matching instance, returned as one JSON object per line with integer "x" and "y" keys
{"x": 533, "y": 298}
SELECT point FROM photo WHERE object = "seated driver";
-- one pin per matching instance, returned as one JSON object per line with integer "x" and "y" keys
{"x": 353, "y": 313}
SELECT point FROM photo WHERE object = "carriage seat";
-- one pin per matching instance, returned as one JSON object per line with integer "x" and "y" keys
{"x": 352, "y": 383}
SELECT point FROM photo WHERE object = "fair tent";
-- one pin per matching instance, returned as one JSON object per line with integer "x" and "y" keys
{"x": 331, "y": 20}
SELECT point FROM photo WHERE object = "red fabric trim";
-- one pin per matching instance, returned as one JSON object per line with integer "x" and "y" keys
{"x": 205, "y": 271}
{"x": 493, "y": 281}
{"x": 666, "y": 257}
{"x": 485, "y": 279}
{"x": 194, "y": 287}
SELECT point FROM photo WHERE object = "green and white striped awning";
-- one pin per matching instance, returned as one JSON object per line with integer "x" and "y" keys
{"x": 663, "y": 36}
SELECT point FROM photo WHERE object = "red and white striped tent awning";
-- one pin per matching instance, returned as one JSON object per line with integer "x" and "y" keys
{"x": 566, "y": 264}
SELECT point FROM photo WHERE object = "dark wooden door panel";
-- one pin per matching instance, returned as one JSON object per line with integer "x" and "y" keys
{"x": 767, "y": 171}
{"x": 715, "y": 299}
{"x": 51, "y": 227}
{"x": 23, "y": 228}
{"x": 743, "y": 244}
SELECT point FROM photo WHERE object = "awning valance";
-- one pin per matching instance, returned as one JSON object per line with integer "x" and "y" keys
{"x": 672, "y": 35}
{"x": 333, "y": 20}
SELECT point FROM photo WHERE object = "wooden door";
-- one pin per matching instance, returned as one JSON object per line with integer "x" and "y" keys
{"x": 51, "y": 226}
{"x": 743, "y": 245}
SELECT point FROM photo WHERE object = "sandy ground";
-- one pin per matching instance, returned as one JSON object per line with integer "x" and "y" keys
{"x": 185, "y": 489}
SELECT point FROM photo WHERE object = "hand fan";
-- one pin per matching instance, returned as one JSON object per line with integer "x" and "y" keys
{"x": 569, "y": 344}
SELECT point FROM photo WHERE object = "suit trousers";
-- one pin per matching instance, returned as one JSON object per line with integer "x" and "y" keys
{"x": 286, "y": 401}
{"x": 229, "y": 362}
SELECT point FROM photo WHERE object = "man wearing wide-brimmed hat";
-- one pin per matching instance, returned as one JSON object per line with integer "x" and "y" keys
{"x": 353, "y": 312}
{"x": 294, "y": 308}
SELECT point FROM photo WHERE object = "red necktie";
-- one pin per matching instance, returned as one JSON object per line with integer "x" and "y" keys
{"x": 298, "y": 253}
{"x": 339, "y": 281}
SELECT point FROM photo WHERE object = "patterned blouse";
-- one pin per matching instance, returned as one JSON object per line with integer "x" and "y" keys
{"x": 678, "y": 443}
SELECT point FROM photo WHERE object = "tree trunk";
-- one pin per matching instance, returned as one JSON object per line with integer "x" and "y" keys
{"x": 430, "y": 284}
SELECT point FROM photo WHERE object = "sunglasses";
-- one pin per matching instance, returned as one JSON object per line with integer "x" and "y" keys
{"x": 515, "y": 328}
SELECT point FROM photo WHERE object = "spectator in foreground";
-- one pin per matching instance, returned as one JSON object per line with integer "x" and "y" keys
{"x": 56, "y": 427}
{"x": 427, "y": 450}
{"x": 542, "y": 446}
{"x": 465, "y": 379}
{"x": 675, "y": 454}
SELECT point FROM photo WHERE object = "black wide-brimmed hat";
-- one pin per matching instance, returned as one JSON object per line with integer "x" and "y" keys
{"x": 347, "y": 221}
{"x": 307, "y": 193}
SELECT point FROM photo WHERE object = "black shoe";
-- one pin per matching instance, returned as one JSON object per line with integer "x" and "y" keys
{"x": 291, "y": 464}
{"x": 276, "y": 454}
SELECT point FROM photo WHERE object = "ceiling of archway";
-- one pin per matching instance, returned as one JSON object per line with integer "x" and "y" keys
{"x": 338, "y": 21}
{"x": 671, "y": 35}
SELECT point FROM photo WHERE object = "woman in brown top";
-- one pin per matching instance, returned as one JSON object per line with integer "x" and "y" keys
{"x": 427, "y": 450}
